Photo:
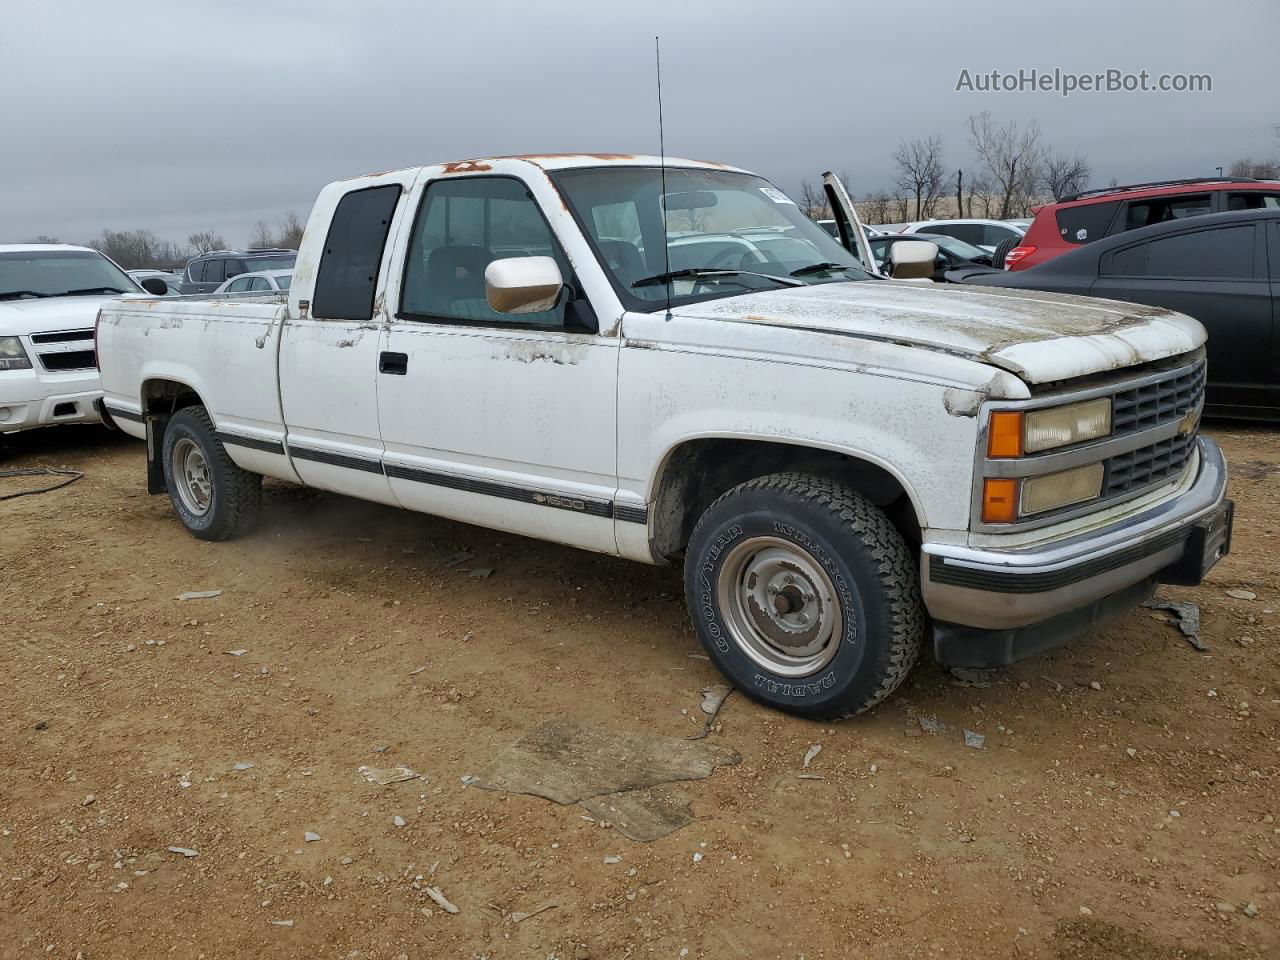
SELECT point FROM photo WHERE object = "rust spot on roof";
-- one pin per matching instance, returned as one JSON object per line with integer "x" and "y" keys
{"x": 467, "y": 166}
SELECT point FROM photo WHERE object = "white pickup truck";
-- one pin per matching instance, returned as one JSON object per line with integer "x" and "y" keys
{"x": 675, "y": 365}
{"x": 49, "y": 295}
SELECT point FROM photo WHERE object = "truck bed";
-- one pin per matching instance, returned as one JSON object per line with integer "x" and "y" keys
{"x": 144, "y": 343}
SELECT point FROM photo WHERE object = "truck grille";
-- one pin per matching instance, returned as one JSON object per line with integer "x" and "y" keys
{"x": 1153, "y": 404}
{"x": 1146, "y": 466}
{"x": 65, "y": 350}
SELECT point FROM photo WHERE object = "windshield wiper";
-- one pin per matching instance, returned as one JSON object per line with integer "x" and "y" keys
{"x": 76, "y": 293}
{"x": 17, "y": 294}
{"x": 819, "y": 268}
{"x": 713, "y": 272}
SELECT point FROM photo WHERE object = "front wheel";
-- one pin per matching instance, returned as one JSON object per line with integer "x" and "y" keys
{"x": 214, "y": 498}
{"x": 804, "y": 595}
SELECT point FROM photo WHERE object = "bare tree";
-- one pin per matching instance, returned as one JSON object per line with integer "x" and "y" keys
{"x": 44, "y": 238}
{"x": 1061, "y": 175}
{"x": 206, "y": 240}
{"x": 920, "y": 172}
{"x": 813, "y": 200}
{"x": 979, "y": 195}
{"x": 290, "y": 234}
{"x": 129, "y": 248}
{"x": 875, "y": 207}
{"x": 262, "y": 235}
{"x": 1248, "y": 167}
{"x": 1010, "y": 156}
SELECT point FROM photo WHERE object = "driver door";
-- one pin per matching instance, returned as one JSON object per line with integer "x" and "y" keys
{"x": 504, "y": 420}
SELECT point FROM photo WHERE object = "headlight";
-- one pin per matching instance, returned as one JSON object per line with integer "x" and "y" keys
{"x": 1054, "y": 490}
{"x": 1061, "y": 426}
{"x": 1012, "y": 433}
{"x": 12, "y": 356}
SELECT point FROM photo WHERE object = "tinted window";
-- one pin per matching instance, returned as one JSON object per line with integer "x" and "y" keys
{"x": 1253, "y": 200}
{"x": 238, "y": 285}
{"x": 1225, "y": 253}
{"x": 1143, "y": 213}
{"x": 968, "y": 232}
{"x": 234, "y": 268}
{"x": 213, "y": 271}
{"x": 1086, "y": 222}
{"x": 348, "y": 270}
{"x": 259, "y": 283}
{"x": 993, "y": 236}
{"x": 463, "y": 226}
{"x": 1129, "y": 262}
{"x": 195, "y": 271}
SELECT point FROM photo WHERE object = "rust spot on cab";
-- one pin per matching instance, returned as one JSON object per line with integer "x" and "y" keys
{"x": 466, "y": 166}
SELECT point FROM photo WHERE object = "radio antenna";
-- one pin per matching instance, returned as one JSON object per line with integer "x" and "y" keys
{"x": 662, "y": 166}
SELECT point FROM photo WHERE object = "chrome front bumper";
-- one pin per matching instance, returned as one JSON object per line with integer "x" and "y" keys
{"x": 1007, "y": 590}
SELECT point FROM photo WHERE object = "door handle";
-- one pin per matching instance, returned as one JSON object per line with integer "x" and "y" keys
{"x": 393, "y": 363}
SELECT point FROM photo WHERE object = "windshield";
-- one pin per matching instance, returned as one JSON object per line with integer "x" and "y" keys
{"x": 58, "y": 273}
{"x": 727, "y": 234}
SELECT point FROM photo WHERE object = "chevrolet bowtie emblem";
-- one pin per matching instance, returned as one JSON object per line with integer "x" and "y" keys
{"x": 1189, "y": 422}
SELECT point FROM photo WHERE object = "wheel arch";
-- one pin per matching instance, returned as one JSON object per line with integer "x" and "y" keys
{"x": 693, "y": 472}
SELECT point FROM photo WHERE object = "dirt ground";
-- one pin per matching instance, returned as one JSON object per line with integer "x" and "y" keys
{"x": 1126, "y": 804}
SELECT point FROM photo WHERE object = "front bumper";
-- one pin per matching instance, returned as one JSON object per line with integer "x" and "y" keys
{"x": 33, "y": 399}
{"x": 994, "y": 606}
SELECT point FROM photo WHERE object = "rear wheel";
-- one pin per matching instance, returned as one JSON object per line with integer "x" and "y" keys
{"x": 804, "y": 595}
{"x": 214, "y": 498}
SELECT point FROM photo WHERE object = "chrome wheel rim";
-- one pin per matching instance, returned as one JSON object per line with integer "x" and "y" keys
{"x": 190, "y": 472}
{"x": 780, "y": 606}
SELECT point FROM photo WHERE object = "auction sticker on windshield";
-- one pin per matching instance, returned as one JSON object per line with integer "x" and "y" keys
{"x": 776, "y": 195}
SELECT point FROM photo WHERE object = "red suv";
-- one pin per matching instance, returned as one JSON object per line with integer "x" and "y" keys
{"x": 1083, "y": 217}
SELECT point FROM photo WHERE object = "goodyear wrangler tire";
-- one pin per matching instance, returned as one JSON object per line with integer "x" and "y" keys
{"x": 214, "y": 498}
{"x": 804, "y": 595}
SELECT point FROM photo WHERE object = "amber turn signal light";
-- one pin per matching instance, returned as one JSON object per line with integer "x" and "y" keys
{"x": 999, "y": 500}
{"x": 1004, "y": 435}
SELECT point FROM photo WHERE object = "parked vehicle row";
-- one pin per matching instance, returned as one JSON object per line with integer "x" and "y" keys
{"x": 1223, "y": 269}
{"x": 207, "y": 272}
{"x": 846, "y": 467}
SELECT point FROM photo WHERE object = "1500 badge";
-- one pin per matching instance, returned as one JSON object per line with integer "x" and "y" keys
{"x": 564, "y": 503}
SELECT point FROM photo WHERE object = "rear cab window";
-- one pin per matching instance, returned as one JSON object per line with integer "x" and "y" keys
{"x": 348, "y": 273}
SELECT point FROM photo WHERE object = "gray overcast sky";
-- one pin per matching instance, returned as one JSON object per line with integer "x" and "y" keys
{"x": 184, "y": 116}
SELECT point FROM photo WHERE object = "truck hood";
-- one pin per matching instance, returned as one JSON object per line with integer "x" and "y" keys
{"x": 1040, "y": 337}
{"x": 25, "y": 317}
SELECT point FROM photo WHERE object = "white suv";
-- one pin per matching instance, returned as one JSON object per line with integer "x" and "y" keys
{"x": 49, "y": 297}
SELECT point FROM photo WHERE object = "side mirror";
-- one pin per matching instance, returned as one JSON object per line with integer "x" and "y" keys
{"x": 912, "y": 259}
{"x": 522, "y": 284}
{"x": 155, "y": 286}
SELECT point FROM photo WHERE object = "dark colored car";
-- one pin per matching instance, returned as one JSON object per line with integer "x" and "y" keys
{"x": 1094, "y": 214}
{"x": 952, "y": 253}
{"x": 205, "y": 273}
{"x": 1223, "y": 269}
